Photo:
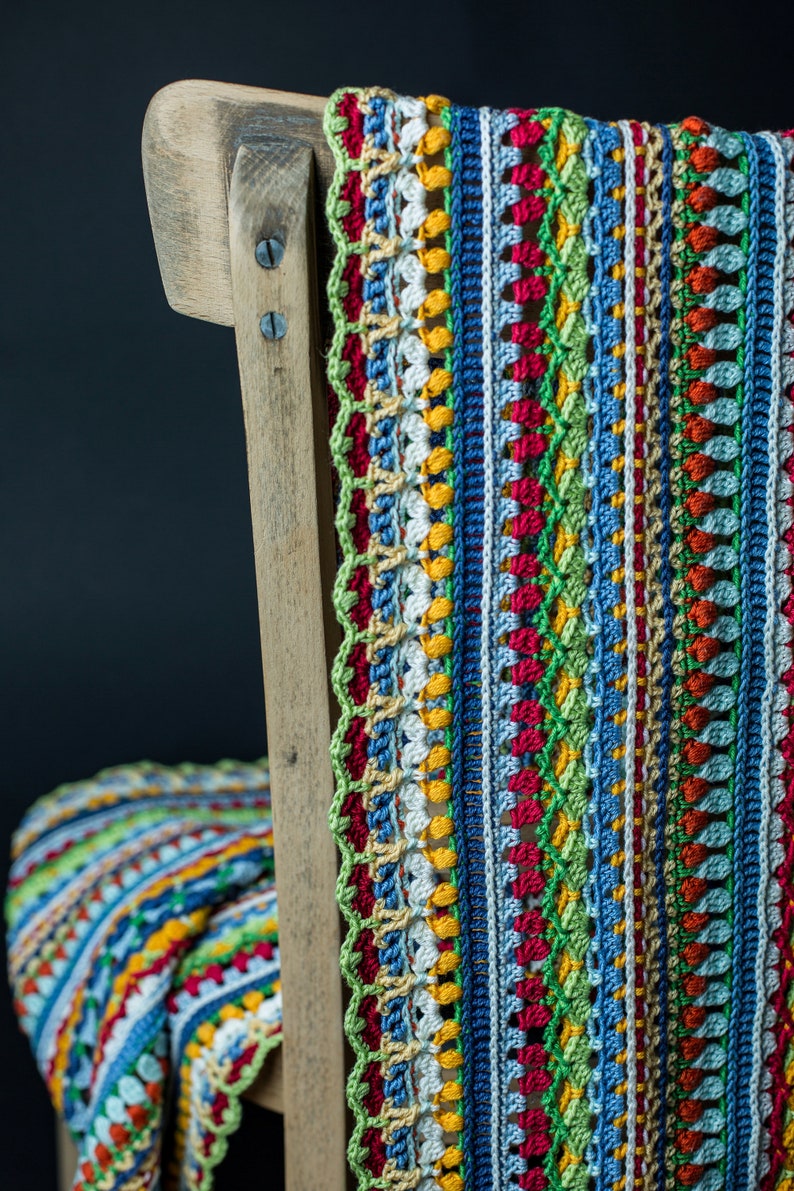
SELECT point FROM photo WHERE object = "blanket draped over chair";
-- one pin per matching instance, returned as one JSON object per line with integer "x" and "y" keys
{"x": 563, "y": 363}
{"x": 562, "y": 388}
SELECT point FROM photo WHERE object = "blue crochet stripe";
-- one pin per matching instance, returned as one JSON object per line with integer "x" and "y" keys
{"x": 668, "y": 645}
{"x": 382, "y": 745}
{"x": 86, "y": 801}
{"x": 236, "y": 875}
{"x": 605, "y": 594}
{"x": 145, "y": 821}
{"x": 469, "y": 470}
{"x": 755, "y": 470}
{"x": 101, "y": 979}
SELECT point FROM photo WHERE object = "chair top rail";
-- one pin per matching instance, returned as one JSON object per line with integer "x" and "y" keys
{"x": 191, "y": 135}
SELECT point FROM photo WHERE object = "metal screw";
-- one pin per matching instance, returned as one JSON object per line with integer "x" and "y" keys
{"x": 273, "y": 325}
{"x": 270, "y": 253}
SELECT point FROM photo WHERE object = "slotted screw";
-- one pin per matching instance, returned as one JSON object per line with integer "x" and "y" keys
{"x": 273, "y": 325}
{"x": 270, "y": 253}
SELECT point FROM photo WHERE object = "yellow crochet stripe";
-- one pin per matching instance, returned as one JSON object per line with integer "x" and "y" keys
{"x": 619, "y": 612}
{"x": 436, "y": 698}
{"x": 172, "y": 932}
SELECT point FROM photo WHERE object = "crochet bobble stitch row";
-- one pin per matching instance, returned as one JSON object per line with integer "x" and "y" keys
{"x": 405, "y": 1141}
{"x": 563, "y": 359}
{"x": 129, "y": 971}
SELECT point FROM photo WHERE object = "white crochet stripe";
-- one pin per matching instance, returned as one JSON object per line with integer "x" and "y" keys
{"x": 629, "y": 512}
{"x": 490, "y": 412}
{"x": 592, "y": 619}
{"x": 420, "y": 877}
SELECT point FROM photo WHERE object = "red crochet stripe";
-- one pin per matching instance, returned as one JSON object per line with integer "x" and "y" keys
{"x": 689, "y": 982}
{"x": 687, "y": 1073}
{"x": 353, "y": 224}
{"x": 530, "y": 927}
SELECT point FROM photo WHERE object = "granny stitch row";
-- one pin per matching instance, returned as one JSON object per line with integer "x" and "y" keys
{"x": 563, "y": 361}
{"x": 143, "y": 954}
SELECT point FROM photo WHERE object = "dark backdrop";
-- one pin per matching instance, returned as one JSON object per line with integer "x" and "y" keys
{"x": 127, "y": 610}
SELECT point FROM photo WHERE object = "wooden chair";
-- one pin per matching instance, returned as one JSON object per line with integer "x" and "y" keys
{"x": 234, "y": 178}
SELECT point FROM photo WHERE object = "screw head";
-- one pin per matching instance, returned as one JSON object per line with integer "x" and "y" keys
{"x": 269, "y": 253}
{"x": 273, "y": 325}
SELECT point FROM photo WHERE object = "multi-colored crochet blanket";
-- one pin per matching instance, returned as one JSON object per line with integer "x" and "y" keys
{"x": 143, "y": 953}
{"x": 563, "y": 362}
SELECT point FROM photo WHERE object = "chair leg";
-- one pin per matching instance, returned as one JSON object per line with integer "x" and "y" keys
{"x": 67, "y": 1157}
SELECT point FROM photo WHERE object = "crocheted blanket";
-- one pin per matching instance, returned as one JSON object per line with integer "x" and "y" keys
{"x": 563, "y": 362}
{"x": 143, "y": 953}
{"x": 564, "y": 366}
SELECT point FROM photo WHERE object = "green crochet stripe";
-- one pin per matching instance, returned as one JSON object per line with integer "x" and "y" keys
{"x": 559, "y": 621}
{"x": 232, "y": 1114}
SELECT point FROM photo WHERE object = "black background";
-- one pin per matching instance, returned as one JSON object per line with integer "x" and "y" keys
{"x": 127, "y": 605}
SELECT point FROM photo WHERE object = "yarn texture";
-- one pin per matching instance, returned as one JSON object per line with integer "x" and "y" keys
{"x": 562, "y": 383}
{"x": 564, "y": 795}
{"x": 143, "y": 954}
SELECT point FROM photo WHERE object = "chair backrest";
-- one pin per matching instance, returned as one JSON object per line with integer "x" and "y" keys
{"x": 230, "y": 177}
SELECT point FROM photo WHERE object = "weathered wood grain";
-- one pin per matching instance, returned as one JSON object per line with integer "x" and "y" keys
{"x": 67, "y": 1156}
{"x": 226, "y": 166}
{"x": 291, "y": 511}
{"x": 191, "y": 135}
{"x": 268, "y": 1091}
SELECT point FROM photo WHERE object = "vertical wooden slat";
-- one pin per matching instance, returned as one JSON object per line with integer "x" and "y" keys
{"x": 67, "y": 1156}
{"x": 291, "y": 509}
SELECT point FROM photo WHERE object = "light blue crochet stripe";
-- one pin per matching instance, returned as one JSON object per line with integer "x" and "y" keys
{"x": 59, "y": 999}
{"x": 756, "y": 579}
{"x": 742, "y": 379}
{"x": 776, "y": 640}
{"x": 604, "y": 770}
{"x": 490, "y": 679}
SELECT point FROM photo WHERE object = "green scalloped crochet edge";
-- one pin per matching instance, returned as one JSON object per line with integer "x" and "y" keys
{"x": 344, "y": 600}
{"x": 233, "y": 1112}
